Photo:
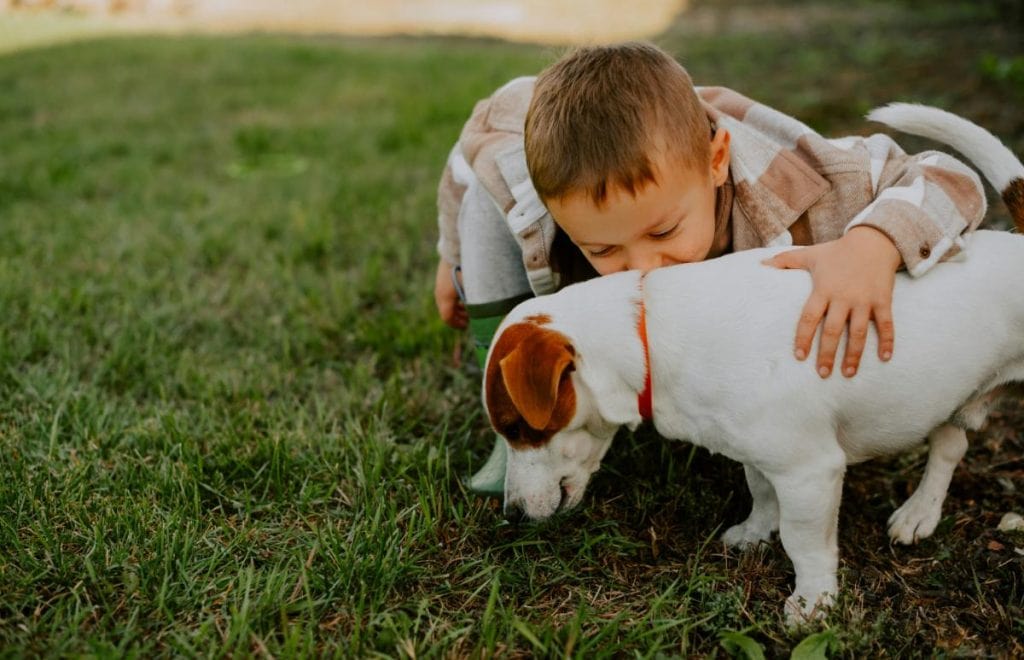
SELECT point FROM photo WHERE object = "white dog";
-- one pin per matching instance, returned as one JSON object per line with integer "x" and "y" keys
{"x": 567, "y": 370}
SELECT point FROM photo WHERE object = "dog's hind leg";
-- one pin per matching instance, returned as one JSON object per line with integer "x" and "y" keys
{"x": 764, "y": 515}
{"x": 920, "y": 514}
{"x": 809, "y": 497}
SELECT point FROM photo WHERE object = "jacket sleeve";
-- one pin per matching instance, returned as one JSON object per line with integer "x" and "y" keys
{"x": 450, "y": 192}
{"x": 923, "y": 203}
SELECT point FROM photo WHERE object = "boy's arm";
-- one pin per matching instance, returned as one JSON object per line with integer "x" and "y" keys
{"x": 925, "y": 204}
{"x": 449, "y": 305}
{"x": 450, "y": 192}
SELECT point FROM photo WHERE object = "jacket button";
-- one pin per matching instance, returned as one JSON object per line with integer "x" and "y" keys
{"x": 925, "y": 252}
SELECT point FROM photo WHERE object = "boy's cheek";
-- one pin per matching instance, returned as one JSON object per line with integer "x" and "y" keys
{"x": 602, "y": 266}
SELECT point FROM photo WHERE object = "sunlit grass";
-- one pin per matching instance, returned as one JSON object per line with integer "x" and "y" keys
{"x": 21, "y": 30}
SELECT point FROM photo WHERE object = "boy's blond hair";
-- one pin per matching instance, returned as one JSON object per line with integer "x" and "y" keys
{"x": 599, "y": 114}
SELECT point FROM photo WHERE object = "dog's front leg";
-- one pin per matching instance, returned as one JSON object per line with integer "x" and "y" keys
{"x": 764, "y": 514}
{"x": 809, "y": 497}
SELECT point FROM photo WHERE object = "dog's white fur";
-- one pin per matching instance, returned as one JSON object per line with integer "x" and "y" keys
{"x": 988, "y": 154}
{"x": 724, "y": 377}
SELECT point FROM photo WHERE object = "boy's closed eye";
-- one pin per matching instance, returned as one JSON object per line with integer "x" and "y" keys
{"x": 667, "y": 232}
{"x": 662, "y": 234}
{"x": 601, "y": 252}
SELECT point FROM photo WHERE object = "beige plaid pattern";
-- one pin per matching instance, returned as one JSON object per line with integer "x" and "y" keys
{"x": 790, "y": 185}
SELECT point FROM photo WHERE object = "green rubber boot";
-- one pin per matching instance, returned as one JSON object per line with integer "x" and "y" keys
{"x": 490, "y": 479}
{"x": 483, "y": 322}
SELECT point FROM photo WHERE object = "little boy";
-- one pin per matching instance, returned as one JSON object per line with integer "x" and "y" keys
{"x": 611, "y": 160}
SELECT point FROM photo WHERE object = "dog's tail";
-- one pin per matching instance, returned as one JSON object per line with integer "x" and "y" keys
{"x": 997, "y": 163}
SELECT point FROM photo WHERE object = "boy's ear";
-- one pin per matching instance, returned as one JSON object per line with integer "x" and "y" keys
{"x": 720, "y": 156}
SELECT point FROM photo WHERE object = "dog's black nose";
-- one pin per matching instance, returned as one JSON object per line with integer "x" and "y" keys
{"x": 514, "y": 513}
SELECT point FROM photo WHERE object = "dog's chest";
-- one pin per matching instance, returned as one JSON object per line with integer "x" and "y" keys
{"x": 711, "y": 431}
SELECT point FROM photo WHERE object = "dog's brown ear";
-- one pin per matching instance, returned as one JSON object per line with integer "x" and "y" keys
{"x": 532, "y": 373}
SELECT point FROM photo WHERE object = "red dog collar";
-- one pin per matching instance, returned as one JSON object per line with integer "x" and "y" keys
{"x": 644, "y": 399}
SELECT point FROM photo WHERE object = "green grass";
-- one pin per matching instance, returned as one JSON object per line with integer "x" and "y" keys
{"x": 229, "y": 419}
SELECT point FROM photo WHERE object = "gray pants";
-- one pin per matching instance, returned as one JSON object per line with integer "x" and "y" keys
{"x": 493, "y": 275}
{"x": 493, "y": 282}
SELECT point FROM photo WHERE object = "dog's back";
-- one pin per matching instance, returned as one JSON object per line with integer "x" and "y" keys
{"x": 959, "y": 330}
{"x": 725, "y": 329}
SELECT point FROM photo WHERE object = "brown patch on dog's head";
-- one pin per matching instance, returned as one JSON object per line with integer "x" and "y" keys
{"x": 530, "y": 395}
{"x": 1013, "y": 197}
{"x": 538, "y": 319}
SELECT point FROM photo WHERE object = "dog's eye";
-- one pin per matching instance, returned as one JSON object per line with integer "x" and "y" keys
{"x": 511, "y": 431}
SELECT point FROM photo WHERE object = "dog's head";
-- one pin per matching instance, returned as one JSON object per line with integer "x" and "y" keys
{"x": 537, "y": 401}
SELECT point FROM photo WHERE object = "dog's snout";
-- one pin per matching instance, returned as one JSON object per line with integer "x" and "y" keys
{"x": 514, "y": 512}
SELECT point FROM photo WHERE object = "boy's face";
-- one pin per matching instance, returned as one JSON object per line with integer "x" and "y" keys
{"x": 669, "y": 221}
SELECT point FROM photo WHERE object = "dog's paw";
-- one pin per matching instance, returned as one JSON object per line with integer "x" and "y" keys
{"x": 801, "y": 609}
{"x": 746, "y": 534}
{"x": 915, "y": 520}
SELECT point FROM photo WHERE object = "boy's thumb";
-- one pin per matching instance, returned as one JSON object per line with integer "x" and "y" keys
{"x": 790, "y": 259}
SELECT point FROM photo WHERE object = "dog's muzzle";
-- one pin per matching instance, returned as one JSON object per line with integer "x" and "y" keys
{"x": 515, "y": 512}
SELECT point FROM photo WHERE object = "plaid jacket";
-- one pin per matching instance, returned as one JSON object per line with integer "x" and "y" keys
{"x": 788, "y": 185}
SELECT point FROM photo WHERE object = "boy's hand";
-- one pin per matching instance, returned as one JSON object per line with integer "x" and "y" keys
{"x": 853, "y": 280}
{"x": 451, "y": 309}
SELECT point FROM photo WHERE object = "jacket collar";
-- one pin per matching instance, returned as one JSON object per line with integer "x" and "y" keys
{"x": 772, "y": 185}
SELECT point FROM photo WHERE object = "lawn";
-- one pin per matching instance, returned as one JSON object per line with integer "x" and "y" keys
{"x": 231, "y": 423}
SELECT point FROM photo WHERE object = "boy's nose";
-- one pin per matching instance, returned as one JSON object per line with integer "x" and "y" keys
{"x": 645, "y": 261}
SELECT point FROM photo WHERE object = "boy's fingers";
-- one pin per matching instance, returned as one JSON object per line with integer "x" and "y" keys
{"x": 831, "y": 332}
{"x": 453, "y": 314}
{"x": 807, "y": 326}
{"x": 860, "y": 318}
{"x": 886, "y": 331}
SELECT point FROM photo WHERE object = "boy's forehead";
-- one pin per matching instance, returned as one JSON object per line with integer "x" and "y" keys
{"x": 670, "y": 175}
{"x": 622, "y": 213}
